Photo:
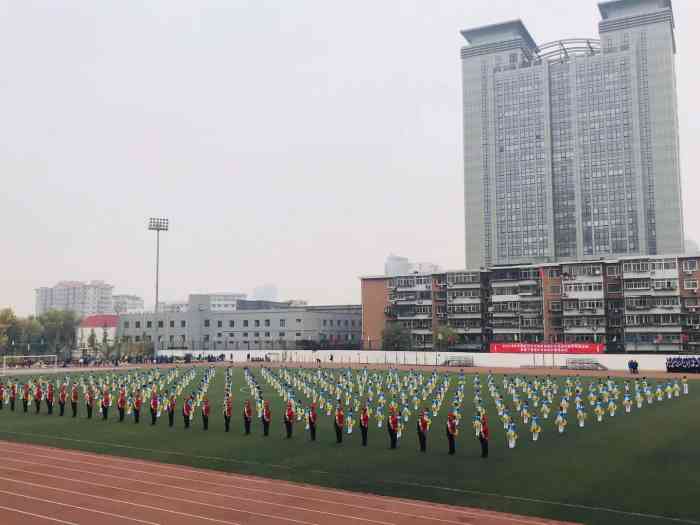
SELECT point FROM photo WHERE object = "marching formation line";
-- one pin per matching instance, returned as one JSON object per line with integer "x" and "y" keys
{"x": 48, "y": 485}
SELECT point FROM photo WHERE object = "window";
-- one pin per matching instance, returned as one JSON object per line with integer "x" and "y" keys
{"x": 160, "y": 324}
{"x": 126, "y": 324}
{"x": 325, "y": 322}
{"x": 206, "y": 338}
{"x": 346, "y": 323}
{"x": 282, "y": 323}
{"x": 245, "y": 334}
{"x": 245, "y": 323}
{"x": 137, "y": 324}
{"x": 218, "y": 335}
{"x": 231, "y": 334}
{"x": 613, "y": 288}
{"x": 183, "y": 324}
{"x": 555, "y": 289}
{"x": 231, "y": 324}
{"x": 691, "y": 265}
{"x": 149, "y": 324}
{"x": 298, "y": 321}
{"x": 298, "y": 334}
{"x": 612, "y": 270}
{"x": 171, "y": 339}
{"x": 137, "y": 338}
{"x": 206, "y": 323}
{"x": 256, "y": 334}
{"x": 257, "y": 323}
{"x": 281, "y": 334}
{"x": 219, "y": 324}
{"x": 267, "y": 322}
{"x": 267, "y": 334}
{"x": 690, "y": 284}
{"x": 330, "y": 322}
{"x": 172, "y": 324}
{"x": 555, "y": 306}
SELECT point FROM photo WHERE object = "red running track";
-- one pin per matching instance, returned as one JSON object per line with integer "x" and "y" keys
{"x": 43, "y": 485}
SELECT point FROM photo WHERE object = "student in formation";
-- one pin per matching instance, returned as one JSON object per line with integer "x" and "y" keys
{"x": 247, "y": 416}
{"x": 684, "y": 382}
{"x": 49, "y": 398}
{"x": 364, "y": 424}
{"x": 121, "y": 403}
{"x": 106, "y": 401}
{"x": 153, "y": 405}
{"x": 339, "y": 423}
{"x": 266, "y": 418}
{"x": 74, "y": 399}
{"x": 512, "y": 435}
{"x": 393, "y": 428}
{"x": 227, "y": 411}
{"x": 26, "y": 396}
{"x": 187, "y": 411}
{"x": 38, "y": 395}
{"x": 206, "y": 409}
{"x": 422, "y": 425}
{"x": 62, "y": 397}
{"x": 451, "y": 430}
{"x": 2, "y": 395}
{"x": 171, "y": 408}
{"x": 13, "y": 395}
{"x": 312, "y": 421}
{"x": 138, "y": 403}
{"x": 89, "y": 401}
{"x": 289, "y": 419}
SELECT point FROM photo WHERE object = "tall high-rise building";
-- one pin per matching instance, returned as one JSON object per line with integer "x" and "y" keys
{"x": 571, "y": 147}
{"x": 91, "y": 298}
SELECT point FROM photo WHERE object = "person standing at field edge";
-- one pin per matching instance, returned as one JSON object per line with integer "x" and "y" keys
{"x": 74, "y": 399}
{"x": 339, "y": 423}
{"x": 451, "y": 432}
{"x": 266, "y": 418}
{"x": 247, "y": 416}
{"x": 484, "y": 436}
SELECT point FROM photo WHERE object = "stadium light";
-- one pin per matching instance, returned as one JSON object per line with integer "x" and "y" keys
{"x": 158, "y": 225}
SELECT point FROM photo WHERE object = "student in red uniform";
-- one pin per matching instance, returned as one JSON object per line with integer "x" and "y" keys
{"x": 289, "y": 419}
{"x": 38, "y": 394}
{"x": 74, "y": 399}
{"x": 13, "y": 395}
{"x": 451, "y": 431}
{"x": 26, "y": 395}
{"x": 205, "y": 412}
{"x": 312, "y": 421}
{"x": 49, "y": 398}
{"x": 484, "y": 436}
{"x": 138, "y": 403}
{"x": 266, "y": 418}
{"x": 247, "y": 416}
{"x": 2, "y": 394}
{"x": 339, "y": 423}
{"x": 106, "y": 400}
{"x": 364, "y": 424}
{"x": 172, "y": 406}
{"x": 121, "y": 402}
{"x": 422, "y": 427}
{"x": 393, "y": 428}
{"x": 154, "y": 407}
{"x": 228, "y": 411}
{"x": 89, "y": 401}
{"x": 187, "y": 411}
{"x": 62, "y": 397}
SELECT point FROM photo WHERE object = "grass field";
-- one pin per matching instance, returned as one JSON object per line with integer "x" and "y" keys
{"x": 638, "y": 468}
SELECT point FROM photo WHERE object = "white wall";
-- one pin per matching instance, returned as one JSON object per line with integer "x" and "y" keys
{"x": 486, "y": 360}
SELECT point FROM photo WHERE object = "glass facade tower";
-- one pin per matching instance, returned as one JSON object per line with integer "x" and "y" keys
{"x": 571, "y": 147}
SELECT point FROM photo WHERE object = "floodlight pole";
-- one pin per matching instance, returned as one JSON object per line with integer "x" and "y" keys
{"x": 157, "y": 266}
{"x": 157, "y": 225}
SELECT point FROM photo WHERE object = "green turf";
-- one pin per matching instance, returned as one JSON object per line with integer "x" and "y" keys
{"x": 639, "y": 468}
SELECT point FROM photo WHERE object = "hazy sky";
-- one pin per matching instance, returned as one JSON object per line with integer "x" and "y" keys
{"x": 294, "y": 142}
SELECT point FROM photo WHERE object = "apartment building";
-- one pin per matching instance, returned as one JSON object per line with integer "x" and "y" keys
{"x": 647, "y": 303}
{"x": 83, "y": 298}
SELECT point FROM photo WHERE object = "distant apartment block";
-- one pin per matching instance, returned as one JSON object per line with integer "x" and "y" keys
{"x": 642, "y": 303}
{"x": 83, "y": 298}
{"x": 397, "y": 265}
{"x": 126, "y": 304}
{"x": 571, "y": 148}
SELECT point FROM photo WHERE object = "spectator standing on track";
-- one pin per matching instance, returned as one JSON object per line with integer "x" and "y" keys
{"x": 312, "y": 422}
{"x": 484, "y": 436}
{"x": 422, "y": 425}
{"x": 451, "y": 432}
{"x": 247, "y": 416}
{"x": 339, "y": 423}
{"x": 74, "y": 399}
{"x": 266, "y": 418}
{"x": 289, "y": 419}
{"x": 206, "y": 408}
{"x": 364, "y": 424}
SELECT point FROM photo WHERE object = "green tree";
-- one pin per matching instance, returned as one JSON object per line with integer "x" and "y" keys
{"x": 92, "y": 343}
{"x": 8, "y": 320}
{"x": 444, "y": 337}
{"x": 60, "y": 331}
{"x": 396, "y": 337}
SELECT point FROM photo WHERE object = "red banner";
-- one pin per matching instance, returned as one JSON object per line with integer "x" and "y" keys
{"x": 547, "y": 348}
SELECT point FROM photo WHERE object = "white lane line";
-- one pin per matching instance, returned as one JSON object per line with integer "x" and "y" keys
{"x": 114, "y": 500}
{"x": 40, "y": 516}
{"x": 83, "y": 509}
